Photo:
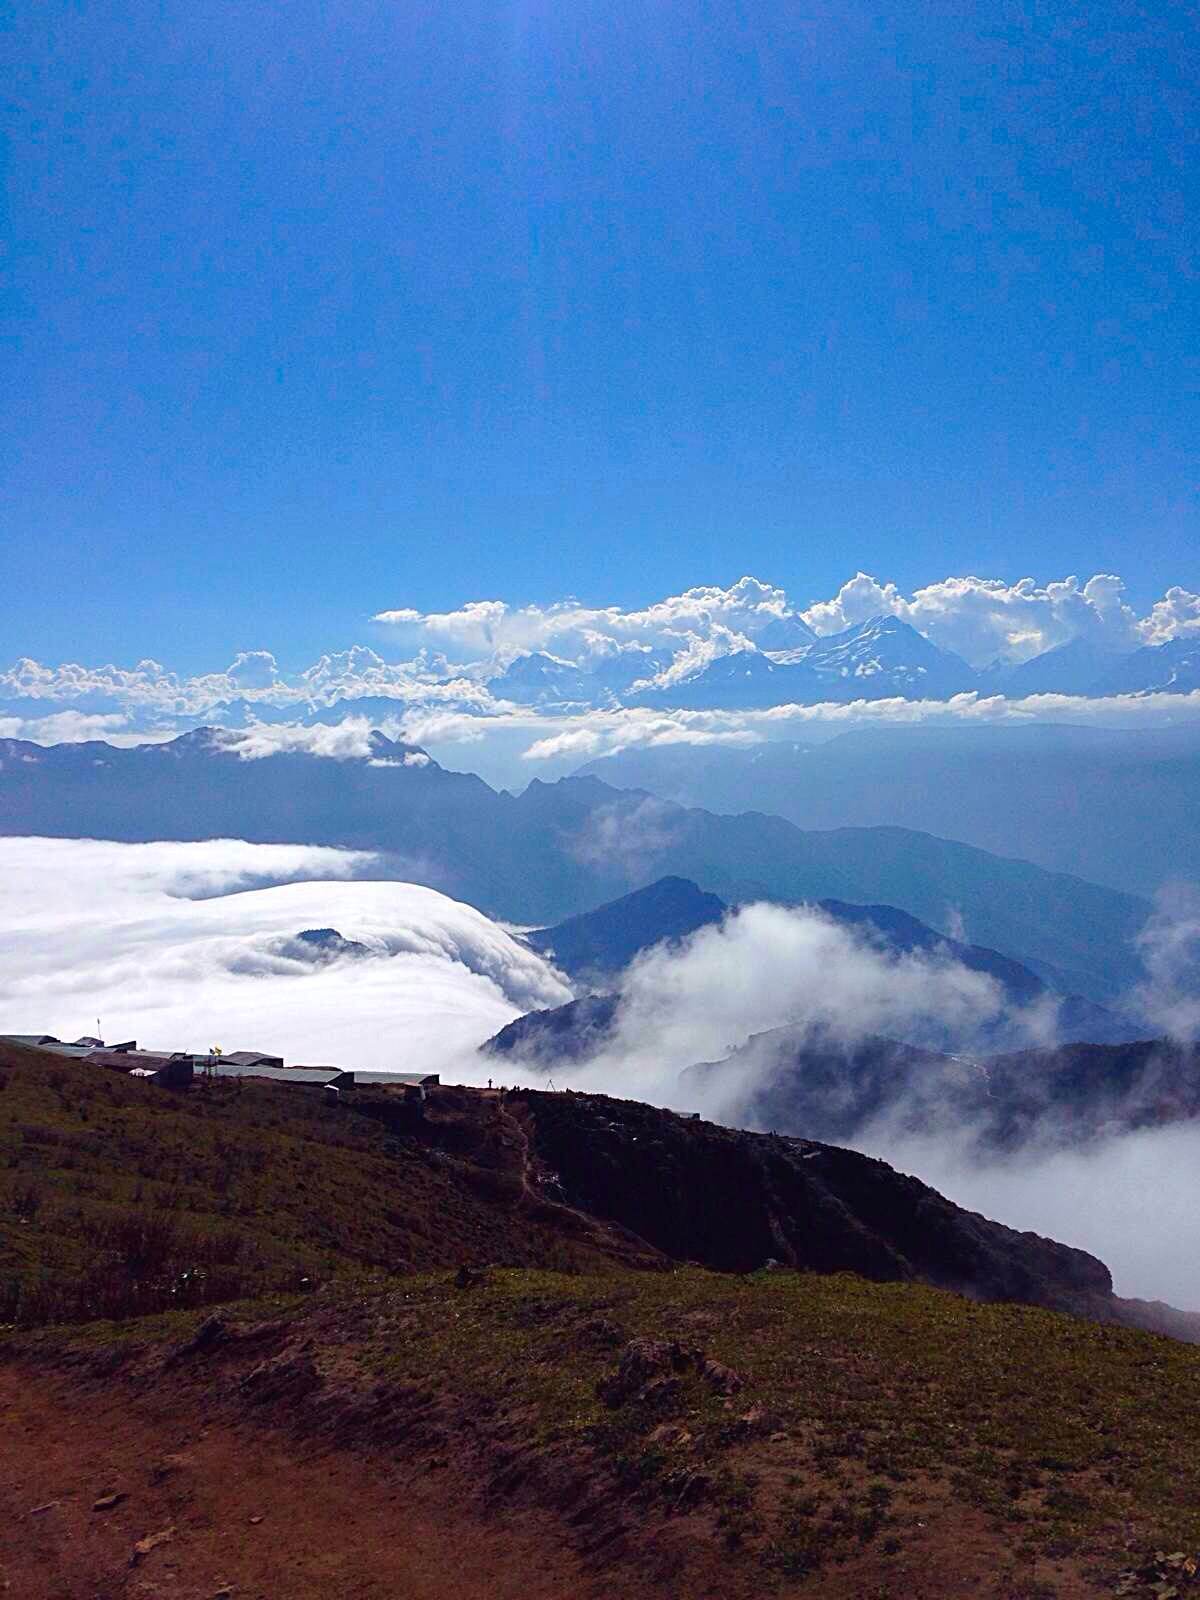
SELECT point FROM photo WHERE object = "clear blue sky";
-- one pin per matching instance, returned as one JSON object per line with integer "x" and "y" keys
{"x": 318, "y": 308}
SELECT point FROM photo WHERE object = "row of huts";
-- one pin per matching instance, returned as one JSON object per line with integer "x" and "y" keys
{"x": 177, "y": 1069}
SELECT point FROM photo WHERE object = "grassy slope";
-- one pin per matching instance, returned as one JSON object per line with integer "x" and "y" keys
{"x": 862, "y": 1405}
{"x": 120, "y": 1198}
{"x": 874, "y": 1428}
{"x": 870, "y": 1416}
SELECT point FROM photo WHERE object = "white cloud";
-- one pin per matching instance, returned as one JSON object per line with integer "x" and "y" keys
{"x": 1175, "y": 616}
{"x": 348, "y": 740}
{"x": 253, "y": 669}
{"x": 63, "y": 727}
{"x": 983, "y": 619}
{"x": 1129, "y": 1200}
{"x": 757, "y": 610}
{"x": 187, "y": 945}
{"x": 1170, "y": 951}
{"x": 978, "y": 618}
{"x": 148, "y": 691}
{"x": 607, "y": 732}
{"x": 766, "y": 967}
{"x": 460, "y": 655}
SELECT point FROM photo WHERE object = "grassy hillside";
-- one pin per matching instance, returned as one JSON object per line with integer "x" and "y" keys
{"x": 713, "y": 1434}
{"x": 774, "y": 1433}
{"x": 119, "y": 1198}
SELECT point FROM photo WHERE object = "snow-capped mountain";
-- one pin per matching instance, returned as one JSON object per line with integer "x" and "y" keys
{"x": 1072, "y": 668}
{"x": 1172, "y": 668}
{"x": 537, "y": 677}
{"x": 874, "y": 660}
{"x": 742, "y": 680}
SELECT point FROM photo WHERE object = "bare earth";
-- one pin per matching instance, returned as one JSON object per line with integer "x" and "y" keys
{"x": 250, "y": 1518}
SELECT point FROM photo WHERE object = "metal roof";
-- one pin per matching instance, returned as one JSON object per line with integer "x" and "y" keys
{"x": 222, "y": 1068}
{"x": 382, "y": 1079}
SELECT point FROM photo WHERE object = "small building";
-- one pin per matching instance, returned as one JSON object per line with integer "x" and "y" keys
{"x": 253, "y": 1058}
{"x": 358, "y": 1079}
{"x": 170, "y": 1071}
{"x": 46, "y": 1041}
{"x": 294, "y": 1077}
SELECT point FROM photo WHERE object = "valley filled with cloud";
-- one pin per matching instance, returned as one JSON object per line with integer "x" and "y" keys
{"x": 182, "y": 946}
{"x": 189, "y": 945}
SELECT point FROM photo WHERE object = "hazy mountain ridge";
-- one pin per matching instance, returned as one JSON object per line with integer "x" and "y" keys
{"x": 597, "y": 945}
{"x": 559, "y": 848}
{"x": 1113, "y": 806}
{"x": 801, "y": 1083}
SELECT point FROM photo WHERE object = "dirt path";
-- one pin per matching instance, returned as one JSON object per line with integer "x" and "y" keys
{"x": 250, "y": 1518}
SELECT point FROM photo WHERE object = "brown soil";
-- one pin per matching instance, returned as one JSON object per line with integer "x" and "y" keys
{"x": 332, "y": 1523}
{"x": 252, "y": 1513}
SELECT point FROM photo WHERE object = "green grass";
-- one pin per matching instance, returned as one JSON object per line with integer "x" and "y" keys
{"x": 118, "y": 1198}
{"x": 863, "y": 1400}
{"x": 865, "y": 1408}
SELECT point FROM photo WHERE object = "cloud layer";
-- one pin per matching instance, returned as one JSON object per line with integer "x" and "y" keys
{"x": 474, "y": 658}
{"x": 188, "y": 945}
{"x": 1130, "y": 1199}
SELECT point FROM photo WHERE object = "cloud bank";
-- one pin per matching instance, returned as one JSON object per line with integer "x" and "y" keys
{"x": 1129, "y": 1199}
{"x": 187, "y": 945}
{"x": 981, "y": 619}
{"x": 476, "y": 658}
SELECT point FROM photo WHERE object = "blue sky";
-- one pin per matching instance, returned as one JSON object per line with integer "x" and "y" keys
{"x": 322, "y": 309}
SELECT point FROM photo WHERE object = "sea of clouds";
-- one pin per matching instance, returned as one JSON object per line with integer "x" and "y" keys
{"x": 183, "y": 946}
{"x": 186, "y": 945}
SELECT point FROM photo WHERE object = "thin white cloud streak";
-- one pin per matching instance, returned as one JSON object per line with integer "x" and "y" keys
{"x": 187, "y": 945}
{"x": 64, "y": 727}
{"x": 607, "y": 732}
{"x": 348, "y": 740}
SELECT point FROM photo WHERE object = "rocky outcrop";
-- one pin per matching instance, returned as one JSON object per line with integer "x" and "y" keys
{"x": 737, "y": 1201}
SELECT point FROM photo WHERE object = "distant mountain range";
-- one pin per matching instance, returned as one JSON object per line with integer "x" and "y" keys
{"x": 874, "y": 660}
{"x": 1112, "y": 805}
{"x": 813, "y": 1084}
{"x": 562, "y": 847}
{"x": 784, "y": 663}
{"x": 1103, "y": 1077}
{"x": 881, "y": 658}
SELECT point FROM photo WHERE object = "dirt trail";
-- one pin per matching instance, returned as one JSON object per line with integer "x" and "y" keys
{"x": 251, "y": 1517}
{"x": 611, "y": 1237}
